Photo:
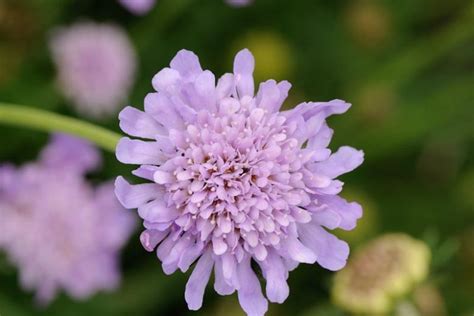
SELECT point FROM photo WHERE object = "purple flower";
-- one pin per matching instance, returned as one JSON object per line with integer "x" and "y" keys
{"x": 239, "y": 3}
{"x": 61, "y": 233}
{"x": 138, "y": 7}
{"x": 96, "y": 66}
{"x": 231, "y": 180}
{"x": 141, "y": 7}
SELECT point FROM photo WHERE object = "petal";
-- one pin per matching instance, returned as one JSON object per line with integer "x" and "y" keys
{"x": 170, "y": 268}
{"x": 165, "y": 144}
{"x": 218, "y": 245}
{"x": 290, "y": 264}
{"x": 165, "y": 247}
{"x": 228, "y": 265}
{"x": 271, "y": 95}
{"x": 332, "y": 253}
{"x": 298, "y": 251}
{"x": 163, "y": 110}
{"x": 344, "y": 160}
{"x": 349, "y": 212}
{"x": 133, "y": 196}
{"x": 198, "y": 280}
{"x": 314, "y": 124}
{"x": 321, "y": 140}
{"x": 305, "y": 111}
{"x": 180, "y": 247}
{"x": 145, "y": 172}
{"x": 244, "y": 65}
{"x": 186, "y": 63}
{"x": 137, "y": 123}
{"x": 225, "y": 86}
{"x": 139, "y": 152}
{"x": 205, "y": 86}
{"x": 275, "y": 274}
{"x": 260, "y": 252}
{"x": 163, "y": 177}
{"x": 284, "y": 87}
{"x": 334, "y": 188}
{"x": 157, "y": 212}
{"x": 327, "y": 218}
{"x": 268, "y": 96}
{"x": 309, "y": 109}
{"x": 300, "y": 215}
{"x": 189, "y": 256}
{"x": 156, "y": 226}
{"x": 150, "y": 238}
{"x": 221, "y": 285}
{"x": 250, "y": 292}
{"x": 166, "y": 80}
{"x": 183, "y": 107}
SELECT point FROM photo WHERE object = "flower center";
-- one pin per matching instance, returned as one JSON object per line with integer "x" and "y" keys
{"x": 233, "y": 175}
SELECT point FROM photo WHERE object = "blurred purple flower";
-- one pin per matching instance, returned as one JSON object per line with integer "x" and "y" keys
{"x": 239, "y": 3}
{"x": 141, "y": 7}
{"x": 138, "y": 7}
{"x": 59, "y": 231}
{"x": 96, "y": 66}
{"x": 235, "y": 180}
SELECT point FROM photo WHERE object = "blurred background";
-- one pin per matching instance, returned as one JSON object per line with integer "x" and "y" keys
{"x": 407, "y": 67}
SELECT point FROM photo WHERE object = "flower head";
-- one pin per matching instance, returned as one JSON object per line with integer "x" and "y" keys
{"x": 61, "y": 233}
{"x": 232, "y": 179}
{"x": 96, "y": 66}
{"x": 138, "y": 7}
{"x": 385, "y": 269}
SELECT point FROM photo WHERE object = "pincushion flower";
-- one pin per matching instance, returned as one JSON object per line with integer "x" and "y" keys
{"x": 231, "y": 180}
{"x": 384, "y": 270}
{"x": 60, "y": 232}
{"x": 96, "y": 64}
{"x": 138, "y": 7}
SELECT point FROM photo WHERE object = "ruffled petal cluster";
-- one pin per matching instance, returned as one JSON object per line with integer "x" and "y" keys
{"x": 96, "y": 66}
{"x": 229, "y": 180}
{"x": 59, "y": 231}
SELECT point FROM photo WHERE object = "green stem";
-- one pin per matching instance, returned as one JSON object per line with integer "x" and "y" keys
{"x": 18, "y": 115}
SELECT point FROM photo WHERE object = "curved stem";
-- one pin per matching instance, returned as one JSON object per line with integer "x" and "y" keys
{"x": 18, "y": 115}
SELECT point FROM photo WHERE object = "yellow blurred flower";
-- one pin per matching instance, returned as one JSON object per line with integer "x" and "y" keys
{"x": 369, "y": 23}
{"x": 387, "y": 268}
{"x": 273, "y": 55}
{"x": 429, "y": 301}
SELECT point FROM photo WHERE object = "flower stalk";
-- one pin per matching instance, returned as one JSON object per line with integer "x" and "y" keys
{"x": 23, "y": 116}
